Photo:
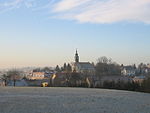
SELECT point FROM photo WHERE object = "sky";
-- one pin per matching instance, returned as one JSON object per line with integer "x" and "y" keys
{"x": 47, "y": 32}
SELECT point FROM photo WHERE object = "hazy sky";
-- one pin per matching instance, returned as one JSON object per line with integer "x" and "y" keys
{"x": 47, "y": 32}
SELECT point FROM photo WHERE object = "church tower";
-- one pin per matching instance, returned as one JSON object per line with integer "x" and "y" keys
{"x": 76, "y": 57}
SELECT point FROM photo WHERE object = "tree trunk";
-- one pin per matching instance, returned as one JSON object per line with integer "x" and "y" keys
{"x": 5, "y": 82}
{"x": 14, "y": 82}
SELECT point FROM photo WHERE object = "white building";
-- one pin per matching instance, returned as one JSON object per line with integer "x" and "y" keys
{"x": 85, "y": 68}
{"x": 36, "y": 75}
{"x": 128, "y": 71}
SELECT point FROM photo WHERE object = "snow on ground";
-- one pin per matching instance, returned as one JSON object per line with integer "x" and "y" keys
{"x": 71, "y": 100}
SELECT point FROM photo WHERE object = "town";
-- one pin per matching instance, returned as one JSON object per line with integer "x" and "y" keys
{"x": 74, "y": 56}
{"x": 104, "y": 74}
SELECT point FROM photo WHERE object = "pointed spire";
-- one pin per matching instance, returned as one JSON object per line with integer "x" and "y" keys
{"x": 76, "y": 56}
{"x": 76, "y": 51}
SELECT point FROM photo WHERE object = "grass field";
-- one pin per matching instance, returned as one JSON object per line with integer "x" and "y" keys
{"x": 71, "y": 100}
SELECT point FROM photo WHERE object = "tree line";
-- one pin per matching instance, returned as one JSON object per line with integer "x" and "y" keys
{"x": 64, "y": 68}
{"x": 130, "y": 86}
{"x": 106, "y": 67}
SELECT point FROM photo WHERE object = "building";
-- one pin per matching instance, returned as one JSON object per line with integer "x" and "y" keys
{"x": 139, "y": 79}
{"x": 37, "y": 75}
{"x": 85, "y": 68}
{"x": 128, "y": 70}
{"x": 82, "y": 73}
{"x": 144, "y": 69}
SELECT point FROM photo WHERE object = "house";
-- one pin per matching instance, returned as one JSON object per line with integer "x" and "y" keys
{"x": 143, "y": 69}
{"x": 128, "y": 70}
{"x": 36, "y": 75}
{"x": 85, "y": 68}
{"x": 139, "y": 79}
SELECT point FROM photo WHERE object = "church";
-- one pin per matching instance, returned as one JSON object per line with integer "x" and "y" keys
{"x": 85, "y": 68}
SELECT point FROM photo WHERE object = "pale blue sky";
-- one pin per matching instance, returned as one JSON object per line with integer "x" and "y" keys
{"x": 42, "y": 36}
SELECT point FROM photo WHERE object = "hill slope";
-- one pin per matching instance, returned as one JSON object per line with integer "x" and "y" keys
{"x": 72, "y": 100}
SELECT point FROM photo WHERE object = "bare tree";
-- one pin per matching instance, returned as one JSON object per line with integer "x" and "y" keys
{"x": 106, "y": 67}
{"x": 4, "y": 78}
{"x": 13, "y": 75}
{"x": 104, "y": 60}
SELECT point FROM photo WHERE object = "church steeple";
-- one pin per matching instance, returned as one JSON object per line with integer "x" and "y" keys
{"x": 76, "y": 56}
